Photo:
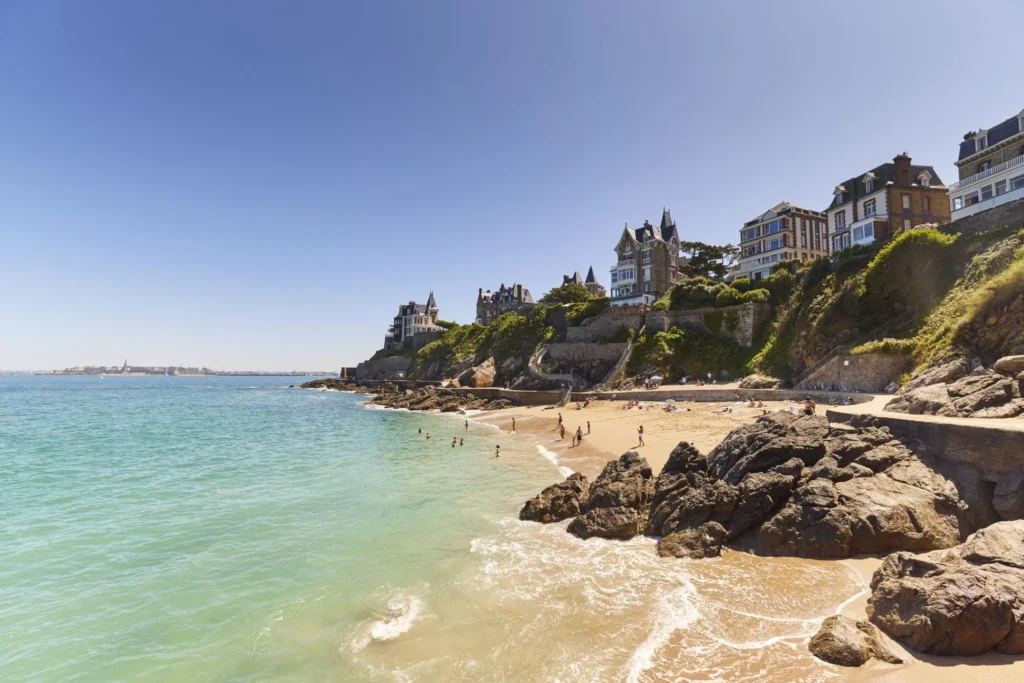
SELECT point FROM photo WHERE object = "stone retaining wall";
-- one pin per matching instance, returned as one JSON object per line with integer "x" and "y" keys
{"x": 605, "y": 324}
{"x": 1011, "y": 214}
{"x": 865, "y": 372}
{"x": 740, "y": 323}
{"x": 382, "y": 368}
{"x": 581, "y": 353}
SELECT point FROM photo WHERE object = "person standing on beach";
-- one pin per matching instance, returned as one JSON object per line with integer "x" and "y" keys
{"x": 579, "y": 436}
{"x": 559, "y": 420}
{"x": 561, "y": 432}
{"x": 640, "y": 435}
{"x": 513, "y": 424}
{"x": 588, "y": 426}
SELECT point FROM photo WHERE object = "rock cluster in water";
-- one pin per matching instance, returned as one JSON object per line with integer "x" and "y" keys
{"x": 434, "y": 398}
{"x": 956, "y": 390}
{"x": 788, "y": 485}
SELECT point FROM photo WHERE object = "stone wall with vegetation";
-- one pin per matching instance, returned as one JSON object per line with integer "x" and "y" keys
{"x": 581, "y": 353}
{"x": 606, "y": 325}
{"x": 742, "y": 324}
{"x": 382, "y": 368}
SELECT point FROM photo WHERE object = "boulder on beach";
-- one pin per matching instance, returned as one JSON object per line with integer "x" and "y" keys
{"x": 478, "y": 376}
{"x": 695, "y": 544}
{"x": 618, "y": 501}
{"x": 846, "y": 642}
{"x": 557, "y": 502}
{"x": 1009, "y": 365}
{"x": 963, "y": 601}
{"x": 759, "y": 382}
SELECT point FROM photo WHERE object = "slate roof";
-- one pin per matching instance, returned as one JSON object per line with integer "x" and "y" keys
{"x": 591, "y": 280}
{"x": 996, "y": 134}
{"x": 430, "y": 301}
{"x": 576, "y": 279}
{"x": 886, "y": 173}
{"x": 666, "y": 231}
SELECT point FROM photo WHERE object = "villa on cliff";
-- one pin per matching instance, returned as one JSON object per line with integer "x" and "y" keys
{"x": 648, "y": 262}
{"x": 782, "y": 233}
{"x": 590, "y": 282}
{"x": 414, "y": 326}
{"x": 991, "y": 168}
{"x": 491, "y": 305}
{"x": 874, "y": 205}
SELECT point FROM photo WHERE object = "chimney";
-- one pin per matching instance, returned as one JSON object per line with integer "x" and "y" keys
{"x": 901, "y": 166}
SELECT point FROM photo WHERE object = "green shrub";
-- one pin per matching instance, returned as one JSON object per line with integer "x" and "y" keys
{"x": 890, "y": 346}
{"x": 677, "y": 350}
{"x": 780, "y": 286}
{"x": 742, "y": 284}
{"x": 728, "y": 297}
{"x": 756, "y": 296}
{"x": 578, "y": 312}
{"x": 445, "y": 325}
{"x": 568, "y": 293}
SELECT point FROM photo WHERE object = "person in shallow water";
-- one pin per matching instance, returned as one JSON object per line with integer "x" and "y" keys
{"x": 454, "y": 439}
{"x": 460, "y": 443}
{"x": 467, "y": 425}
{"x": 428, "y": 436}
{"x": 420, "y": 431}
{"x": 497, "y": 451}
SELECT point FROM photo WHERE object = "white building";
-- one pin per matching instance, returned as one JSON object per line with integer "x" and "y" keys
{"x": 991, "y": 168}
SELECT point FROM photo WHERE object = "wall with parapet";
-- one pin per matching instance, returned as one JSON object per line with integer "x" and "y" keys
{"x": 1011, "y": 214}
{"x": 581, "y": 353}
{"x": 742, "y": 323}
{"x": 382, "y": 368}
{"x": 867, "y": 372}
{"x": 606, "y": 323}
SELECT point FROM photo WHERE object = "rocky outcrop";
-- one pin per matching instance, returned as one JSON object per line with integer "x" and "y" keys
{"x": 478, "y": 376}
{"x": 759, "y": 382}
{"x": 980, "y": 393}
{"x": 618, "y": 501}
{"x": 694, "y": 544}
{"x": 788, "y": 485}
{"x": 1008, "y": 498}
{"x": 557, "y": 502}
{"x": 938, "y": 374}
{"x": 963, "y": 601}
{"x": 1010, "y": 365}
{"x": 334, "y": 384}
{"x": 433, "y": 398}
{"x": 846, "y": 642}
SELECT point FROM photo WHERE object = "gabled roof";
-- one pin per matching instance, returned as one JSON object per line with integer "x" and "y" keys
{"x": 854, "y": 189}
{"x": 996, "y": 134}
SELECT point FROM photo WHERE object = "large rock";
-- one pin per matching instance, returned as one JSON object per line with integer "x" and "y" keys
{"x": 557, "y": 502}
{"x": 846, "y": 642}
{"x": 694, "y": 544}
{"x": 759, "y": 382}
{"x": 479, "y": 376}
{"x": 1009, "y": 365}
{"x": 771, "y": 441}
{"x": 939, "y": 374}
{"x": 1008, "y": 499}
{"x": 618, "y": 502}
{"x": 686, "y": 468}
{"x": 963, "y": 601}
{"x": 927, "y": 400}
{"x": 981, "y": 393}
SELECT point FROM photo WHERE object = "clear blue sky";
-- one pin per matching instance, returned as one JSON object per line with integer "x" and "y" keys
{"x": 260, "y": 184}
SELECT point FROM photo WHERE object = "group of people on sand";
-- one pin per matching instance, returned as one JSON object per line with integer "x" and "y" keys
{"x": 577, "y": 438}
{"x": 581, "y": 406}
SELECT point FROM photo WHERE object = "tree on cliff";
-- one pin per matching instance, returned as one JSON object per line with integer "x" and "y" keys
{"x": 707, "y": 260}
{"x": 570, "y": 293}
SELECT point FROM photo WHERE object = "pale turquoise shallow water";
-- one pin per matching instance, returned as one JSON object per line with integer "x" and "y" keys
{"x": 226, "y": 528}
{"x": 233, "y": 529}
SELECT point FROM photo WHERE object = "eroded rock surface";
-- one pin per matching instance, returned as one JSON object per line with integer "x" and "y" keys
{"x": 619, "y": 500}
{"x": 967, "y": 600}
{"x": 846, "y": 642}
{"x": 951, "y": 391}
{"x": 557, "y": 502}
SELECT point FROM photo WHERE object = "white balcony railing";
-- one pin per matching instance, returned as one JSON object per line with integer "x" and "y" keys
{"x": 978, "y": 177}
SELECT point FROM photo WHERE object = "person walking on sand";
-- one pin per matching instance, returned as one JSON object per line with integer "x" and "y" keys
{"x": 588, "y": 426}
{"x": 640, "y": 435}
{"x": 559, "y": 420}
{"x": 579, "y": 436}
{"x": 561, "y": 432}
{"x": 513, "y": 424}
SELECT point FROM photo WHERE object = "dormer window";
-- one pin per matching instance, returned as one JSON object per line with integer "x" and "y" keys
{"x": 840, "y": 194}
{"x": 869, "y": 182}
{"x": 925, "y": 179}
{"x": 981, "y": 142}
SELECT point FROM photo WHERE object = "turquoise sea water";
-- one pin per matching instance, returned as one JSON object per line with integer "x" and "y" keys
{"x": 232, "y": 529}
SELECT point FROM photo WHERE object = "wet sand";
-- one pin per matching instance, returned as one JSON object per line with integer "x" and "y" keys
{"x": 613, "y": 431}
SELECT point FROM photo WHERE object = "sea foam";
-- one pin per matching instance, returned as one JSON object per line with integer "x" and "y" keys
{"x": 552, "y": 457}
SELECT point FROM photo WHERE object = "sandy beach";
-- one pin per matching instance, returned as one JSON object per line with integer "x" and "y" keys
{"x": 613, "y": 431}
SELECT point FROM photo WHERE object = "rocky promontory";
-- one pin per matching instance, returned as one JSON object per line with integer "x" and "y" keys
{"x": 790, "y": 485}
{"x": 963, "y": 389}
{"x": 435, "y": 398}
